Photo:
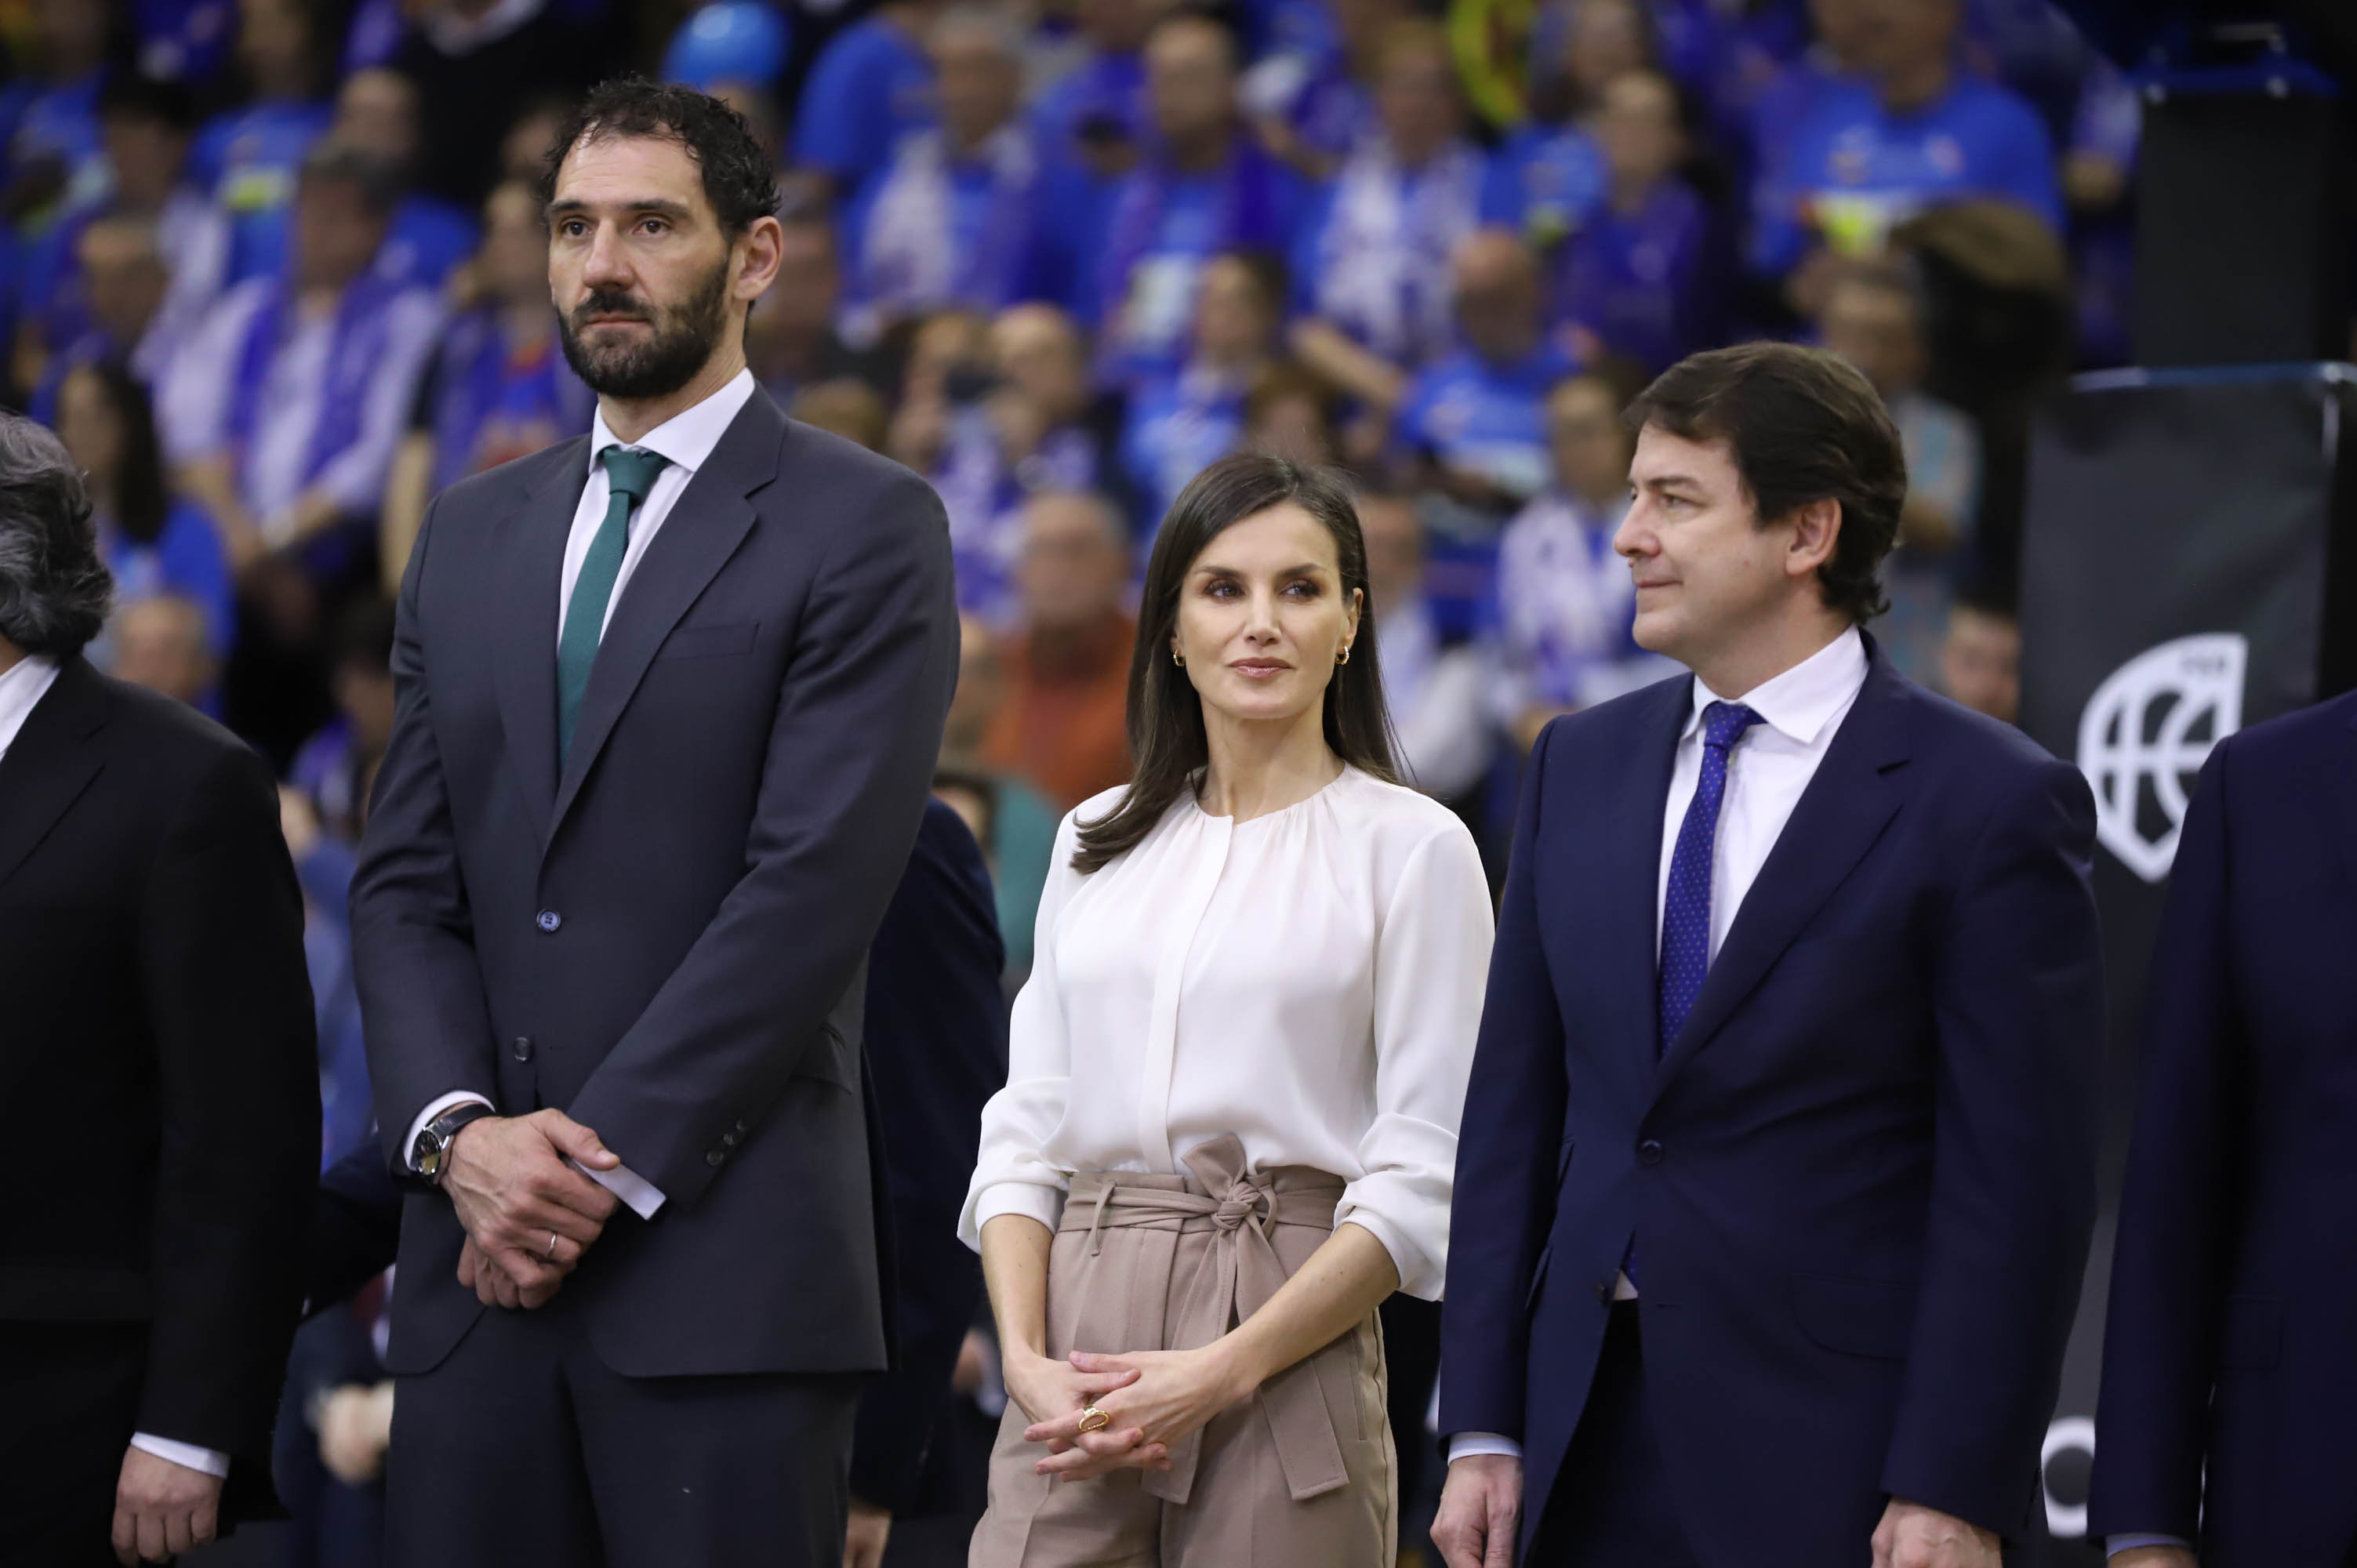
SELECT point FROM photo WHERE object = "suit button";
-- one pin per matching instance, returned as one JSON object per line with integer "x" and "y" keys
{"x": 741, "y": 1127}
{"x": 549, "y": 920}
{"x": 522, "y": 1047}
{"x": 715, "y": 1157}
{"x": 1604, "y": 1291}
{"x": 1648, "y": 1153}
{"x": 727, "y": 1140}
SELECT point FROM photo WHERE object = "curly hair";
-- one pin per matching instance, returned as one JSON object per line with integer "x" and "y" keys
{"x": 739, "y": 178}
{"x": 54, "y": 587}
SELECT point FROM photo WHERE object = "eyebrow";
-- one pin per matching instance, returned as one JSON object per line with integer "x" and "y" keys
{"x": 1218, "y": 571}
{"x": 662, "y": 206}
{"x": 1667, "y": 481}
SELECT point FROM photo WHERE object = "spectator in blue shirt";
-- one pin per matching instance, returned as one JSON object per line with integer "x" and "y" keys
{"x": 872, "y": 85}
{"x": 1920, "y": 131}
{"x": 1548, "y": 178}
{"x": 1093, "y": 119}
{"x": 50, "y": 156}
{"x": 1206, "y": 186}
{"x": 1315, "y": 102}
{"x": 119, "y": 286}
{"x": 949, "y": 222}
{"x": 1475, "y": 414}
{"x": 1371, "y": 267}
{"x": 1635, "y": 281}
{"x": 1561, "y": 625}
{"x": 155, "y": 542}
{"x": 377, "y": 113}
{"x": 250, "y": 159}
{"x": 1180, "y": 423}
{"x": 1763, "y": 134}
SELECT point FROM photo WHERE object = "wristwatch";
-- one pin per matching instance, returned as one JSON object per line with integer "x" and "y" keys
{"x": 427, "y": 1156}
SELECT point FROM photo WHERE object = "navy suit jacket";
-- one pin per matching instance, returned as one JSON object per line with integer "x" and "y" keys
{"x": 2232, "y": 1335}
{"x": 1861, "y": 1180}
{"x": 662, "y": 937}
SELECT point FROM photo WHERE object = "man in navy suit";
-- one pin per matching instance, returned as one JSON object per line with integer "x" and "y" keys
{"x": 2232, "y": 1347}
{"x": 1778, "y": 1165}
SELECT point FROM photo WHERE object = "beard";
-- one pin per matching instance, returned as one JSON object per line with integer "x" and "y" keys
{"x": 682, "y": 342}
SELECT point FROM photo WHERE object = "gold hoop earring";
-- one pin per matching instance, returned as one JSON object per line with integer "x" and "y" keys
{"x": 1179, "y": 659}
{"x": 1343, "y": 657}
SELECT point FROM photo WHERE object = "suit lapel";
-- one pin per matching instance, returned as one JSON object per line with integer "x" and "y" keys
{"x": 1841, "y": 813}
{"x": 702, "y": 531}
{"x": 51, "y": 763}
{"x": 531, "y": 570}
{"x": 1624, "y": 944}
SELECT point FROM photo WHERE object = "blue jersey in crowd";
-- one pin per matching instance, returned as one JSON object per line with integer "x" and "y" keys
{"x": 44, "y": 124}
{"x": 1177, "y": 425}
{"x": 427, "y": 239}
{"x": 1856, "y": 170}
{"x": 1639, "y": 281}
{"x": 185, "y": 559}
{"x": 1545, "y": 183}
{"x": 943, "y": 228}
{"x": 1105, "y": 92}
{"x": 1161, "y": 228}
{"x": 871, "y": 86}
{"x": 1484, "y": 418}
{"x": 250, "y": 160}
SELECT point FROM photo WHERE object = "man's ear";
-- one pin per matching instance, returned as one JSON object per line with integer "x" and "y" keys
{"x": 762, "y": 247}
{"x": 1816, "y": 533}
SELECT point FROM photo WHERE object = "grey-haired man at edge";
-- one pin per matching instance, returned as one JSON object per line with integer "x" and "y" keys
{"x": 669, "y": 700}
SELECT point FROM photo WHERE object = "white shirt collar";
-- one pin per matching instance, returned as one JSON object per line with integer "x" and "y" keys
{"x": 1798, "y": 703}
{"x": 22, "y": 687}
{"x": 688, "y": 436}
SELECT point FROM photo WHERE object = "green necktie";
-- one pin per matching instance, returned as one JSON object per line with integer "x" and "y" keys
{"x": 630, "y": 475}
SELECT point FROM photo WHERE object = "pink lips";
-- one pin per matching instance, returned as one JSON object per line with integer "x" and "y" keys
{"x": 1259, "y": 669}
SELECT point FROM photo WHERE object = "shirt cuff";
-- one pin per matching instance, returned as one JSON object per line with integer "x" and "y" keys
{"x": 1034, "y": 1200}
{"x": 186, "y": 1454}
{"x": 433, "y": 1109}
{"x": 1465, "y": 1445}
{"x": 2117, "y": 1544}
{"x": 643, "y": 1196}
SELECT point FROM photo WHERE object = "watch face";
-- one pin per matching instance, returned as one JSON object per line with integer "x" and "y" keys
{"x": 429, "y": 1155}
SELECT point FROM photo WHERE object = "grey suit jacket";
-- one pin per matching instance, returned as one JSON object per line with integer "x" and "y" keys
{"x": 664, "y": 939}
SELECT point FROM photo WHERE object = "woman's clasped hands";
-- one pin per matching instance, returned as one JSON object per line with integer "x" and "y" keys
{"x": 1151, "y": 1399}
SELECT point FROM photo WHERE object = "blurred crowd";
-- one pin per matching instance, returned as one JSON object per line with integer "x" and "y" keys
{"x": 276, "y": 272}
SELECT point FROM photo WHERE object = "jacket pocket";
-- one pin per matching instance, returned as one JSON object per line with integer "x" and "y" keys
{"x": 706, "y": 641}
{"x": 2251, "y": 1338}
{"x": 1856, "y": 1317}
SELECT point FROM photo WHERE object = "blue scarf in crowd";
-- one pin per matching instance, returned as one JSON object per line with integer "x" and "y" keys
{"x": 363, "y": 324}
{"x": 1248, "y": 213}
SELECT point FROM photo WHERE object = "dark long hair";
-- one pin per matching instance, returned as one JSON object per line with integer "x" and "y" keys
{"x": 1167, "y": 744}
{"x": 143, "y": 503}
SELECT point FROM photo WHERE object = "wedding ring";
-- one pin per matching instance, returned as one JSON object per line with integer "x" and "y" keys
{"x": 552, "y": 1246}
{"x": 1094, "y": 1420}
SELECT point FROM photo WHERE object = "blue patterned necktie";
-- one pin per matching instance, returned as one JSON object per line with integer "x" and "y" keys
{"x": 1686, "y": 910}
{"x": 630, "y": 475}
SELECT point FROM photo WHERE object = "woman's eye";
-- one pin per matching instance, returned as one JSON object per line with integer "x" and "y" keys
{"x": 1221, "y": 591}
{"x": 1302, "y": 590}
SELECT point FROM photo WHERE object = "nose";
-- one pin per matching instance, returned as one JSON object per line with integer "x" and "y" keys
{"x": 1260, "y": 626}
{"x": 607, "y": 264}
{"x": 1634, "y": 537}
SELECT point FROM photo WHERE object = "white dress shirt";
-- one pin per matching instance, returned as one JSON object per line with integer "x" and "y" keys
{"x": 1309, "y": 980}
{"x": 22, "y": 686}
{"x": 1768, "y": 770}
{"x": 686, "y": 438}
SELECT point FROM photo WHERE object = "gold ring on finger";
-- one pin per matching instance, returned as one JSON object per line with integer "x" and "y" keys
{"x": 1094, "y": 1420}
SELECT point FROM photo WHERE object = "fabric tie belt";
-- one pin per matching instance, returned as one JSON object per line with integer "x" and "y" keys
{"x": 1235, "y": 1280}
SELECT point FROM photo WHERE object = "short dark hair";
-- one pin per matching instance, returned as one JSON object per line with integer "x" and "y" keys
{"x": 134, "y": 95}
{"x": 739, "y": 178}
{"x": 54, "y": 586}
{"x": 1802, "y": 425}
{"x": 378, "y": 179}
{"x": 1167, "y": 743}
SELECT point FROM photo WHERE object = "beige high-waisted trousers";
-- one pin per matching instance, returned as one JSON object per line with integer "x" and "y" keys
{"x": 1300, "y": 1476}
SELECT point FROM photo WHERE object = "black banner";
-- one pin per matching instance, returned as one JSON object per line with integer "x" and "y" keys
{"x": 2184, "y": 536}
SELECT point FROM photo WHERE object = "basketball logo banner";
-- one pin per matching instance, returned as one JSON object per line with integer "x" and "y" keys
{"x": 2145, "y": 734}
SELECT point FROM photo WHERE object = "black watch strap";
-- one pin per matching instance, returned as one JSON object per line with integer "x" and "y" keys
{"x": 433, "y": 1145}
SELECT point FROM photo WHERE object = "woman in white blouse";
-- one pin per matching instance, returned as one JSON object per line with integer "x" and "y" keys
{"x": 1229, "y": 1126}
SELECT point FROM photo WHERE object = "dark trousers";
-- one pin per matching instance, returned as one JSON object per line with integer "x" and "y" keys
{"x": 1610, "y": 1506}
{"x": 69, "y": 1396}
{"x": 523, "y": 1447}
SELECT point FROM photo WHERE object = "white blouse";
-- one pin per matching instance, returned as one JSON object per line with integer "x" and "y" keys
{"x": 1310, "y": 981}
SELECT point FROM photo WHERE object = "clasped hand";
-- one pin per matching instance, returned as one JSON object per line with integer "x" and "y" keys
{"x": 530, "y": 1217}
{"x": 1154, "y": 1398}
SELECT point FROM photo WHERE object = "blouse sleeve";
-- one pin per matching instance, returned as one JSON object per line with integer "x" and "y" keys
{"x": 1012, "y": 1174}
{"x": 1431, "y": 958}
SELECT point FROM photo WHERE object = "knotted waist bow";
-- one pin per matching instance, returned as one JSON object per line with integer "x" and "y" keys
{"x": 1234, "y": 1278}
